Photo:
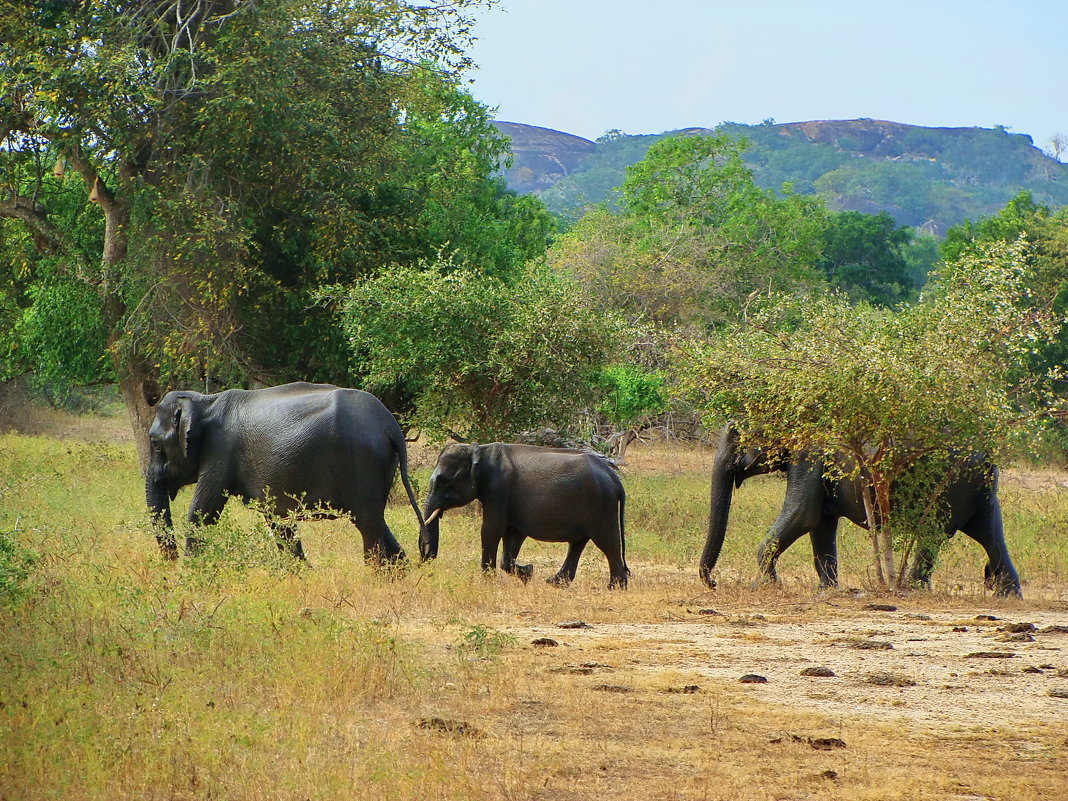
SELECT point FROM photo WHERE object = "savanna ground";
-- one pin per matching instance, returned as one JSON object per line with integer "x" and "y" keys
{"x": 240, "y": 675}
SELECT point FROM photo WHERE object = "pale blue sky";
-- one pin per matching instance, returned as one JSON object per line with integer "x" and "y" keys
{"x": 585, "y": 66}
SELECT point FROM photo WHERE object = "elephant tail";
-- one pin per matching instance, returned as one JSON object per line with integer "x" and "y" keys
{"x": 622, "y": 534}
{"x": 396, "y": 438}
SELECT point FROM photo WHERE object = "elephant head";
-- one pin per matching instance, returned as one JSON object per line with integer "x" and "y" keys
{"x": 174, "y": 438}
{"x": 453, "y": 483}
{"x": 731, "y": 467}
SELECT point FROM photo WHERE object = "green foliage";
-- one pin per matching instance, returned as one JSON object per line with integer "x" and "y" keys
{"x": 480, "y": 355}
{"x": 448, "y": 152}
{"x": 600, "y": 177}
{"x": 1047, "y": 260}
{"x": 61, "y": 337}
{"x": 241, "y": 160}
{"x": 695, "y": 237}
{"x": 16, "y": 568}
{"x": 862, "y": 255}
{"x": 483, "y": 642}
{"x": 1019, "y": 216}
{"x": 630, "y": 394}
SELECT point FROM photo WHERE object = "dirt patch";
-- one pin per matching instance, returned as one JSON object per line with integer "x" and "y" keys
{"x": 937, "y": 679}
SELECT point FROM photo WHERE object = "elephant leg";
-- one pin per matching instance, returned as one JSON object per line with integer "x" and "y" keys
{"x": 205, "y": 510}
{"x": 493, "y": 531}
{"x": 801, "y": 513}
{"x": 285, "y": 537}
{"x": 566, "y": 574}
{"x": 379, "y": 544}
{"x": 512, "y": 544}
{"x": 167, "y": 544}
{"x": 985, "y": 527}
{"x": 789, "y": 527}
{"x": 617, "y": 568}
{"x": 824, "y": 539}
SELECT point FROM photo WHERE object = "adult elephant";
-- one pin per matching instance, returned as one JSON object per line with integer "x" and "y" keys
{"x": 295, "y": 447}
{"x": 549, "y": 494}
{"x": 816, "y": 500}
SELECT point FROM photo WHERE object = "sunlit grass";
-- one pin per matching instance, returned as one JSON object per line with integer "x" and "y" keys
{"x": 243, "y": 674}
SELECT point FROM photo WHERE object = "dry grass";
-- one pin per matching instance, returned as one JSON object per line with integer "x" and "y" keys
{"x": 241, "y": 675}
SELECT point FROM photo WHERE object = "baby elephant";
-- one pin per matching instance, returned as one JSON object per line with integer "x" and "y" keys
{"x": 550, "y": 494}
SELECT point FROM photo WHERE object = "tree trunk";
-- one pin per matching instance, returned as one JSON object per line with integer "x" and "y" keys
{"x": 137, "y": 377}
{"x": 882, "y": 501}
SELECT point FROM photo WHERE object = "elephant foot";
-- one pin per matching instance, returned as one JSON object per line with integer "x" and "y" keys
{"x": 525, "y": 572}
{"x": 1005, "y": 589}
{"x": 167, "y": 547}
{"x": 193, "y": 546}
{"x": 764, "y": 580}
{"x": 559, "y": 580}
{"x": 617, "y": 583}
{"x": 706, "y": 577}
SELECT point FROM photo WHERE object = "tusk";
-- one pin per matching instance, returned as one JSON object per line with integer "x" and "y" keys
{"x": 433, "y": 516}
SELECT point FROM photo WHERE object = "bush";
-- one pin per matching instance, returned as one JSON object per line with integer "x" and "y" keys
{"x": 481, "y": 356}
{"x": 16, "y": 567}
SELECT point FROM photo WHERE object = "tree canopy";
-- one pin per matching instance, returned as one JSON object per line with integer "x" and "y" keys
{"x": 483, "y": 358}
{"x": 694, "y": 237}
{"x": 198, "y": 170}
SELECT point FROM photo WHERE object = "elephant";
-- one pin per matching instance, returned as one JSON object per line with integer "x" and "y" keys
{"x": 816, "y": 500}
{"x": 298, "y": 446}
{"x": 550, "y": 494}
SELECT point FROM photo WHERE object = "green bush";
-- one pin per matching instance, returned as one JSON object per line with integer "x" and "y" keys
{"x": 16, "y": 567}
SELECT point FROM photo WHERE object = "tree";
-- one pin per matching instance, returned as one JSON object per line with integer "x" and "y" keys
{"x": 863, "y": 256}
{"x": 239, "y": 153}
{"x": 1058, "y": 144}
{"x": 902, "y": 394}
{"x": 483, "y": 358}
{"x": 1046, "y": 279}
{"x": 1015, "y": 218}
{"x": 694, "y": 238}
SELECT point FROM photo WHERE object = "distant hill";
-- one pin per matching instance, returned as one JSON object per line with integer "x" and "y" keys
{"x": 931, "y": 178}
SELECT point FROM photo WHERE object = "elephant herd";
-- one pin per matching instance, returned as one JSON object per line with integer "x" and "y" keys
{"x": 325, "y": 451}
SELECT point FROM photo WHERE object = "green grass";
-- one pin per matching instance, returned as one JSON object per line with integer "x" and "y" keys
{"x": 241, "y": 674}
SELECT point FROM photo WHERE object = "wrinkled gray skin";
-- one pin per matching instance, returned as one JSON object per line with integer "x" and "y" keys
{"x": 305, "y": 446}
{"x": 549, "y": 494}
{"x": 815, "y": 503}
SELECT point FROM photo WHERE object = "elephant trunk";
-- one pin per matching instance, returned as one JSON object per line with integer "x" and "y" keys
{"x": 723, "y": 483}
{"x": 159, "y": 506}
{"x": 428, "y": 542}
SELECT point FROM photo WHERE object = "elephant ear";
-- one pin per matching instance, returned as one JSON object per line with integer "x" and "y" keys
{"x": 476, "y": 456}
{"x": 186, "y": 424}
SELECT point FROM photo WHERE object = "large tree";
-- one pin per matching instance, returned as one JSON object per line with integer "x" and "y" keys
{"x": 237, "y": 153}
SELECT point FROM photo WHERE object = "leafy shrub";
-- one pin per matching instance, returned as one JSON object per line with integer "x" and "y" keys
{"x": 16, "y": 567}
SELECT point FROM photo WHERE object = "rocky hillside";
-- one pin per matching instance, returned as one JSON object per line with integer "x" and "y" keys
{"x": 542, "y": 156}
{"x": 926, "y": 177}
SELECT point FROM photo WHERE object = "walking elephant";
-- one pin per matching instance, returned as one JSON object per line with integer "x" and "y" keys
{"x": 816, "y": 501}
{"x": 549, "y": 494}
{"x": 297, "y": 447}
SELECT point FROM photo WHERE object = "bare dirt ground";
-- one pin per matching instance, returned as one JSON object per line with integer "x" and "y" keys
{"x": 958, "y": 669}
